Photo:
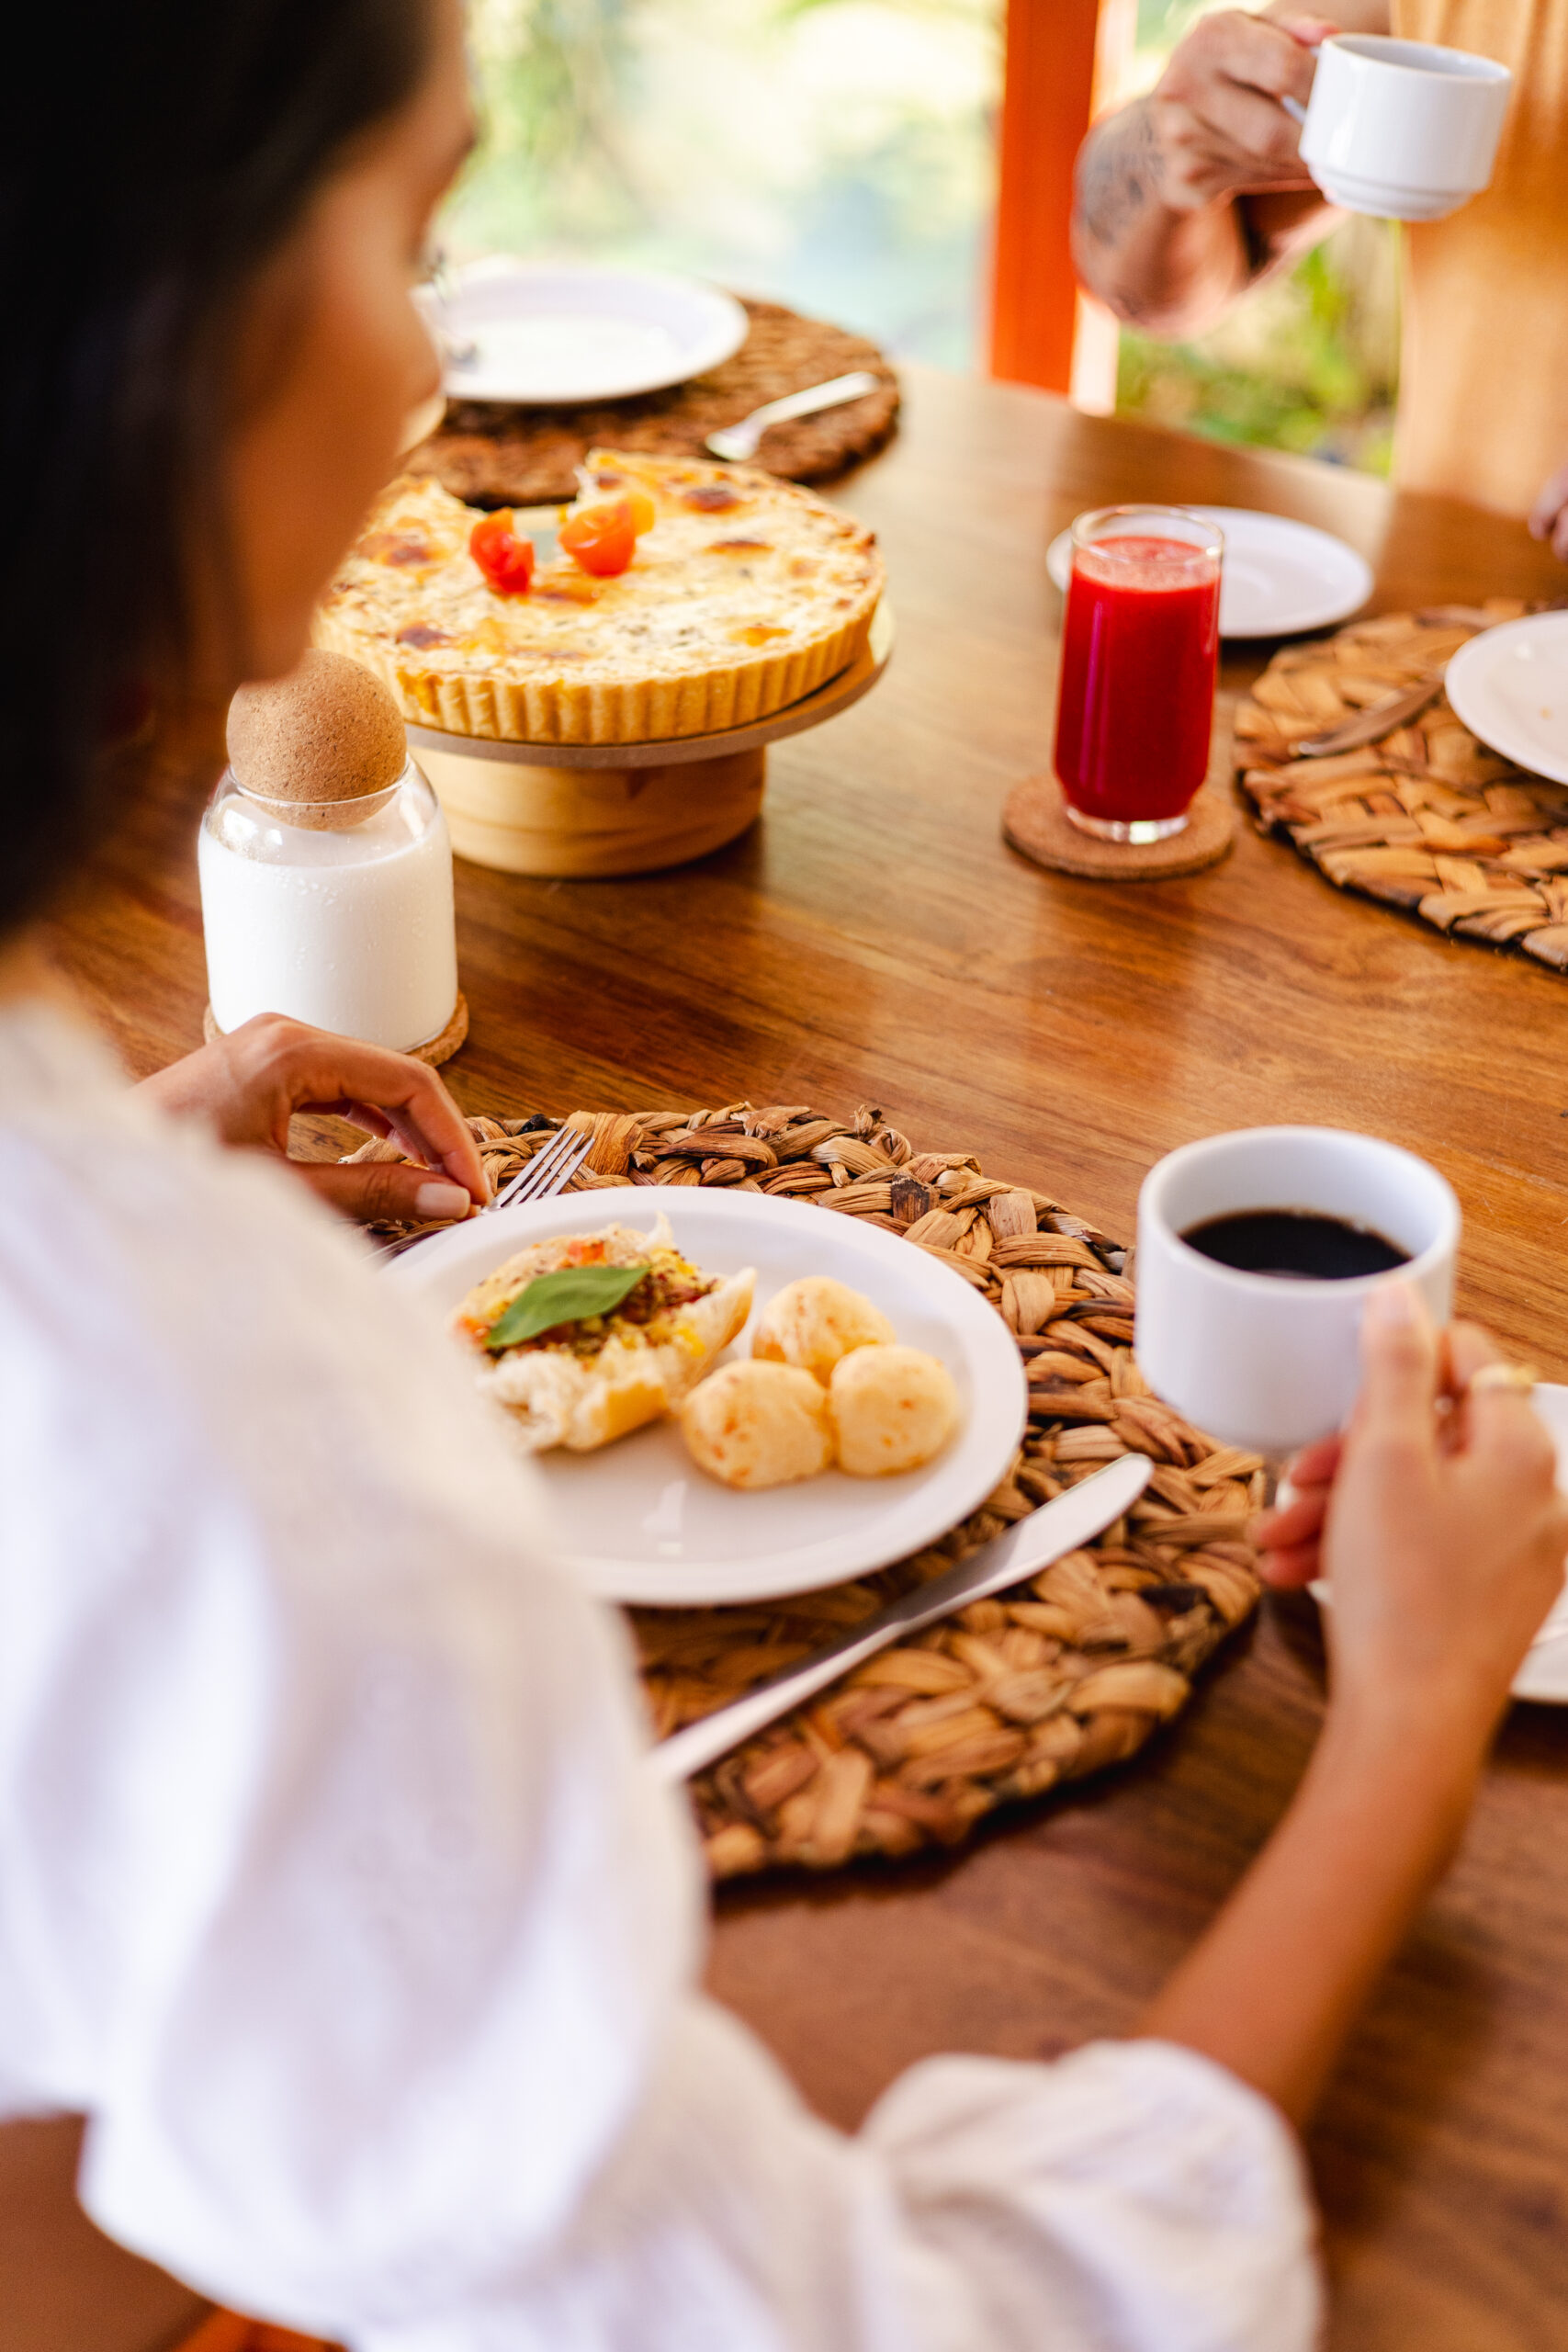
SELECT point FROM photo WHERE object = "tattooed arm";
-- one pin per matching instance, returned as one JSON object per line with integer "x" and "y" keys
{"x": 1188, "y": 196}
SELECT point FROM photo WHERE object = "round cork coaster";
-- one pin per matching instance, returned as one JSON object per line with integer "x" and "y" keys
{"x": 439, "y": 1049}
{"x": 502, "y": 453}
{"x": 1035, "y": 822}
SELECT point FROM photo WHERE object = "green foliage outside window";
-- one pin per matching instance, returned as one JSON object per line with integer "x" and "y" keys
{"x": 835, "y": 154}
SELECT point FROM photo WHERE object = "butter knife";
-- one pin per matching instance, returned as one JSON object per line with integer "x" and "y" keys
{"x": 1029, "y": 1545}
{"x": 1370, "y": 726}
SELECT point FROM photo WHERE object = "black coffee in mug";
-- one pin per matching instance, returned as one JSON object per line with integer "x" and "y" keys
{"x": 1295, "y": 1245}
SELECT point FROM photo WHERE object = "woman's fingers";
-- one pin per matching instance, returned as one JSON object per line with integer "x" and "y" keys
{"x": 1399, "y": 1368}
{"x": 1549, "y": 506}
{"x": 1500, "y": 1430}
{"x": 1315, "y": 1465}
{"x": 1298, "y": 1521}
{"x": 337, "y": 1071}
{"x": 1289, "y": 1567}
{"x": 385, "y": 1188}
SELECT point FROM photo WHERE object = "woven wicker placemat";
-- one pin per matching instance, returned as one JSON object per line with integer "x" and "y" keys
{"x": 497, "y": 453}
{"x": 1427, "y": 818}
{"x": 1068, "y": 1674}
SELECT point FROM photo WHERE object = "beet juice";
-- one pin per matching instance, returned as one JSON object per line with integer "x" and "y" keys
{"x": 1136, "y": 693}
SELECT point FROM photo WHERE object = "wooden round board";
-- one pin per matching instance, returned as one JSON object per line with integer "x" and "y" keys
{"x": 494, "y": 453}
{"x": 580, "y": 809}
{"x": 1063, "y": 1676}
{"x": 1424, "y": 818}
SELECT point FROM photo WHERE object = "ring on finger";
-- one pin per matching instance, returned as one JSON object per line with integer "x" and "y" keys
{"x": 1520, "y": 1376}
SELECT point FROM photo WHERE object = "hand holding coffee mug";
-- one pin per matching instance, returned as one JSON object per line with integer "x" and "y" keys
{"x": 1257, "y": 1254}
{"x": 1401, "y": 128}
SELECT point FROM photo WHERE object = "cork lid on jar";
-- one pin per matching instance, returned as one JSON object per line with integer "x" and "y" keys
{"x": 318, "y": 740}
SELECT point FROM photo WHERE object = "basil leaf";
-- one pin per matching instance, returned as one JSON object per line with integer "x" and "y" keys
{"x": 565, "y": 1296}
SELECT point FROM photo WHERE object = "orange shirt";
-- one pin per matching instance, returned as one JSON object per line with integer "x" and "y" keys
{"x": 1484, "y": 380}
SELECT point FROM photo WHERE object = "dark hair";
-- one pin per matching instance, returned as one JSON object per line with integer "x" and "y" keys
{"x": 141, "y": 191}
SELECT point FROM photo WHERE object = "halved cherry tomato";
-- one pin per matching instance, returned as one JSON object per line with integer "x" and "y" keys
{"x": 602, "y": 540}
{"x": 505, "y": 559}
{"x": 644, "y": 512}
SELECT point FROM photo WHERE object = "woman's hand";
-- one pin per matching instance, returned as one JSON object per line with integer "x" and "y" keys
{"x": 1549, "y": 515}
{"x": 1444, "y": 1536}
{"x": 1438, "y": 1520}
{"x": 247, "y": 1086}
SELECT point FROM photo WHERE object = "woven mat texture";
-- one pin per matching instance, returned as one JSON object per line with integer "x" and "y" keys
{"x": 499, "y": 453}
{"x": 1056, "y": 1679}
{"x": 1427, "y": 818}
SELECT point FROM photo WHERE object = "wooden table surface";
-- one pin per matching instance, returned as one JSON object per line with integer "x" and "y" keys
{"x": 873, "y": 939}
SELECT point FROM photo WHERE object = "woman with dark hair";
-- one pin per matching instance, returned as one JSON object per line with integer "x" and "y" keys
{"x": 334, "y": 1894}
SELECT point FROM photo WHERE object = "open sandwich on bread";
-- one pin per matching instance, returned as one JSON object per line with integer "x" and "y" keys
{"x": 637, "y": 1326}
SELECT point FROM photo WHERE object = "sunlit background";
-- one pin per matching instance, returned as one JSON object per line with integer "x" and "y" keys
{"x": 839, "y": 155}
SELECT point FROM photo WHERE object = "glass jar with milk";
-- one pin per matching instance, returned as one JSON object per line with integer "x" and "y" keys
{"x": 325, "y": 865}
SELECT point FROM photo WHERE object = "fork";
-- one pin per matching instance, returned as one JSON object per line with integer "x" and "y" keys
{"x": 549, "y": 1171}
{"x": 738, "y": 442}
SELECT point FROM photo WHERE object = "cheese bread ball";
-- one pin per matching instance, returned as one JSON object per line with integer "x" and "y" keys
{"x": 754, "y": 1424}
{"x": 892, "y": 1408}
{"x": 814, "y": 1322}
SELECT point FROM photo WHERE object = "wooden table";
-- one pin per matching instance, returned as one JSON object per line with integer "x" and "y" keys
{"x": 873, "y": 939}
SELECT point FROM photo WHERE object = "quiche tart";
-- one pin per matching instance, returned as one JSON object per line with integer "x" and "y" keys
{"x": 744, "y": 595}
{"x": 593, "y": 1376}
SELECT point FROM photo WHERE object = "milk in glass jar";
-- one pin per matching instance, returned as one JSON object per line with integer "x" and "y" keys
{"x": 326, "y": 870}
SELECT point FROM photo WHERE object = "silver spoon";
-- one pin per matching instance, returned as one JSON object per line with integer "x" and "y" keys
{"x": 738, "y": 442}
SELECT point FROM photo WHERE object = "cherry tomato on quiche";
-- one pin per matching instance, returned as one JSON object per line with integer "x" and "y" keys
{"x": 598, "y": 489}
{"x": 505, "y": 559}
{"x": 644, "y": 512}
{"x": 602, "y": 540}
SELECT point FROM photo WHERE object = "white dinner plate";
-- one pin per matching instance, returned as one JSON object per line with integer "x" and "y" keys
{"x": 1279, "y": 577}
{"x": 545, "y": 331}
{"x": 1544, "y": 1674}
{"x": 638, "y": 1520}
{"x": 1510, "y": 686}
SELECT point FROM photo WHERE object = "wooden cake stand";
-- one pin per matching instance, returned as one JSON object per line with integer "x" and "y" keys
{"x": 578, "y": 809}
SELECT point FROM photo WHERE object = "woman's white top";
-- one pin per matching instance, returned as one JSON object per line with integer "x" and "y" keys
{"x": 333, "y": 1888}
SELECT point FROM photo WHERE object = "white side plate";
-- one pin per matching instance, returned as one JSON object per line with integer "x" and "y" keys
{"x": 640, "y": 1521}
{"x": 1279, "y": 577}
{"x": 544, "y": 332}
{"x": 1544, "y": 1674}
{"x": 1510, "y": 686}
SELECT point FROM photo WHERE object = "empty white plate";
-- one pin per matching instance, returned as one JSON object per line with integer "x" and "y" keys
{"x": 1544, "y": 1674}
{"x": 640, "y": 1521}
{"x": 1279, "y": 577}
{"x": 1510, "y": 687}
{"x": 545, "y": 331}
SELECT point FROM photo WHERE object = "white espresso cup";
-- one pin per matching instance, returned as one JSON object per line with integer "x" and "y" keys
{"x": 1262, "y": 1361}
{"x": 1402, "y": 129}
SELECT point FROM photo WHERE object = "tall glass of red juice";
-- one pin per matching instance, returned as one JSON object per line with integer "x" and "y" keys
{"x": 1136, "y": 691}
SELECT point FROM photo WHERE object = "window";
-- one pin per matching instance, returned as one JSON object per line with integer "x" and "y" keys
{"x": 834, "y": 154}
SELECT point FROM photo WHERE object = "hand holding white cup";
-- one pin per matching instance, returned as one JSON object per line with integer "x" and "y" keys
{"x": 1270, "y": 1359}
{"x": 1404, "y": 129}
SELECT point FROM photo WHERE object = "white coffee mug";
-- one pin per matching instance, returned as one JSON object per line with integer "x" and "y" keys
{"x": 1258, "y": 1360}
{"x": 1402, "y": 129}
